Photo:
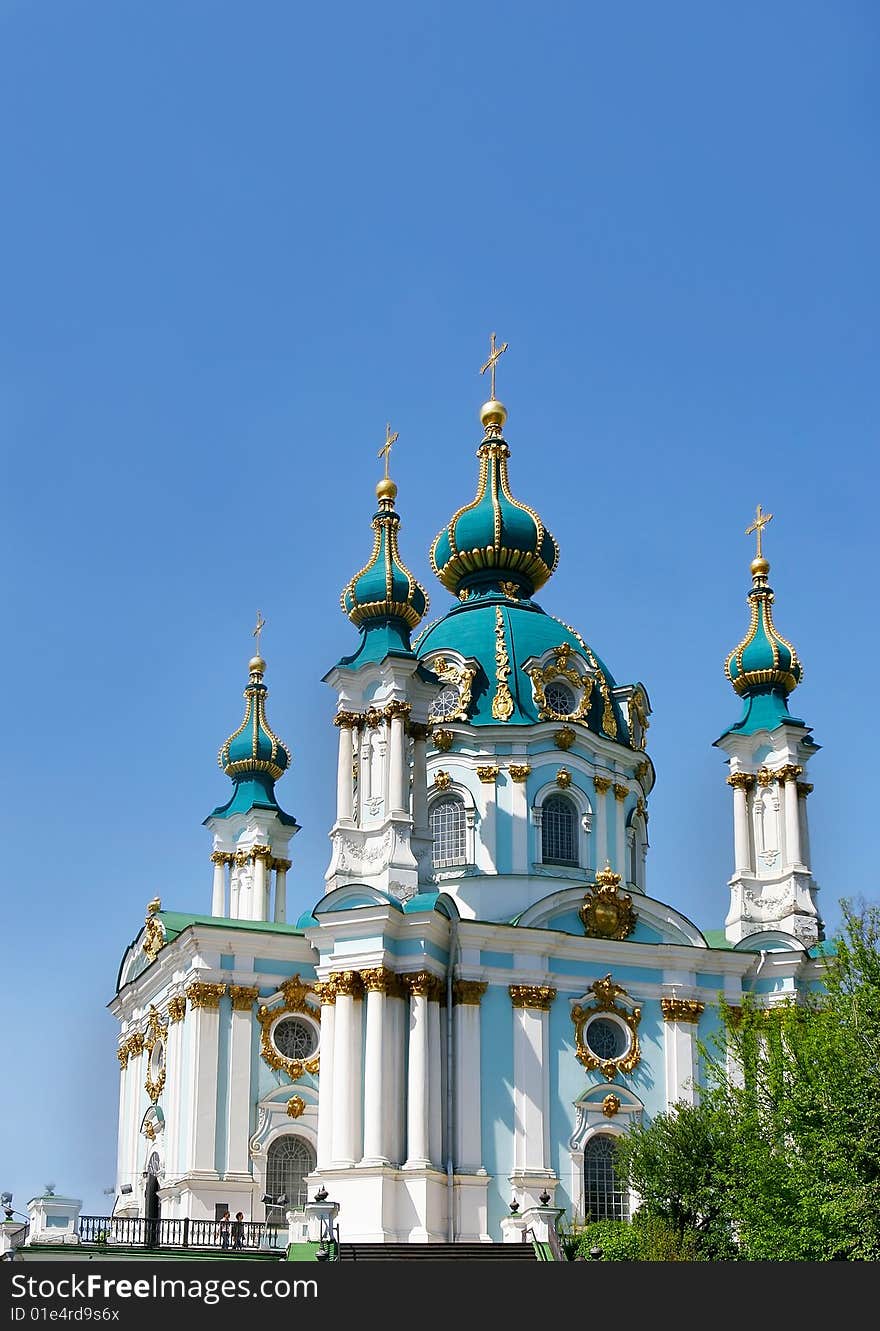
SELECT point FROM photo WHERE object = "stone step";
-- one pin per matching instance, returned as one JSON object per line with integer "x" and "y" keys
{"x": 392, "y": 1252}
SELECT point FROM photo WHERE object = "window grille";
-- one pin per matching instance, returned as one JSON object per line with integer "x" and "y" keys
{"x": 559, "y": 698}
{"x": 558, "y": 831}
{"x": 294, "y": 1039}
{"x": 605, "y": 1038}
{"x": 288, "y": 1162}
{"x": 448, "y": 833}
{"x": 604, "y": 1198}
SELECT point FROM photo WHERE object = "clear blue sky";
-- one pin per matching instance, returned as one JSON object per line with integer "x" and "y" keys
{"x": 236, "y": 239}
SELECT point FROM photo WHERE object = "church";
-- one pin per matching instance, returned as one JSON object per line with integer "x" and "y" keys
{"x": 489, "y": 990}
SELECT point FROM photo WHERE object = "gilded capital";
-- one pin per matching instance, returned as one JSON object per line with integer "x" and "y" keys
{"x": 122, "y": 1055}
{"x": 620, "y": 791}
{"x": 488, "y": 774}
{"x": 348, "y": 984}
{"x": 177, "y": 1008}
{"x": 519, "y": 772}
{"x": 325, "y": 991}
{"x": 379, "y": 980}
{"x": 468, "y": 993}
{"x": 135, "y": 1043}
{"x": 790, "y": 772}
{"x": 243, "y": 996}
{"x": 682, "y": 1009}
{"x": 741, "y": 780}
{"x": 347, "y": 720}
{"x": 804, "y": 788}
{"x": 202, "y": 995}
{"x": 261, "y": 852}
{"x": 602, "y": 784}
{"x": 397, "y": 708}
{"x": 538, "y": 996}
{"x": 280, "y": 866}
{"x": 221, "y": 857}
{"x": 422, "y": 983}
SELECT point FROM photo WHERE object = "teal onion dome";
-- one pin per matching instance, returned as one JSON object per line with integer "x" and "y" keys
{"x": 254, "y": 749}
{"x": 495, "y": 541}
{"x": 763, "y": 662}
{"x": 384, "y": 590}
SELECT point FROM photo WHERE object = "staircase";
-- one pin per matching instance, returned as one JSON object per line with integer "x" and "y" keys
{"x": 449, "y": 1252}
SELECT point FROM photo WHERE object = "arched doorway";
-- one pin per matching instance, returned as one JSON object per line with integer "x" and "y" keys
{"x": 152, "y": 1204}
{"x": 288, "y": 1161}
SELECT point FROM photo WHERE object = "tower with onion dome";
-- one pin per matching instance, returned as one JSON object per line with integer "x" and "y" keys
{"x": 772, "y": 888}
{"x": 251, "y": 831}
{"x": 383, "y": 698}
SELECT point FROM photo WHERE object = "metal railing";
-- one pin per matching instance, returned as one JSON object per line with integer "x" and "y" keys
{"x": 139, "y": 1232}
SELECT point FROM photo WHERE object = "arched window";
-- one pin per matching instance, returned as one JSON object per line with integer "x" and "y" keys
{"x": 559, "y": 831}
{"x": 288, "y": 1162}
{"x": 604, "y": 1198}
{"x": 448, "y": 822}
{"x": 559, "y": 698}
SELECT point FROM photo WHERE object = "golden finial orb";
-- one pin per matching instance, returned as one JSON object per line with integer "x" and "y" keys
{"x": 760, "y": 567}
{"x": 493, "y": 413}
{"x": 256, "y": 665}
{"x": 386, "y": 489}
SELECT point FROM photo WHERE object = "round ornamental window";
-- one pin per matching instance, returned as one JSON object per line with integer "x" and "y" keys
{"x": 559, "y": 699}
{"x": 606, "y": 1039}
{"x": 294, "y": 1038}
{"x": 447, "y": 702}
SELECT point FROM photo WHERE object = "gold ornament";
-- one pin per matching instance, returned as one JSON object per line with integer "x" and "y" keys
{"x": 607, "y": 912}
{"x": 607, "y": 992}
{"x": 296, "y": 1106}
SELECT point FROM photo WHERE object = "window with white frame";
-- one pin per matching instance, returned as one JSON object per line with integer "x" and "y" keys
{"x": 559, "y": 831}
{"x": 288, "y": 1161}
{"x": 604, "y": 1196}
{"x": 448, "y": 824}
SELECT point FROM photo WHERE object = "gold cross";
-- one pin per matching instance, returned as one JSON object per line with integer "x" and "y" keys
{"x": 494, "y": 353}
{"x": 261, "y": 624}
{"x": 761, "y": 520}
{"x": 390, "y": 441}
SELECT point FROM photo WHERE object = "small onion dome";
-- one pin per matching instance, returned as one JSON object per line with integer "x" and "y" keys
{"x": 384, "y": 588}
{"x": 494, "y": 539}
{"x": 254, "y": 747}
{"x": 763, "y": 661}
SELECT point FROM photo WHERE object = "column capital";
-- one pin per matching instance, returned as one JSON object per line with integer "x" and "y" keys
{"x": 418, "y": 731}
{"x": 325, "y": 991}
{"x": 804, "y": 788}
{"x": 620, "y": 791}
{"x": 222, "y": 857}
{"x": 741, "y": 780}
{"x": 203, "y": 995}
{"x": 348, "y": 720}
{"x": 422, "y": 983}
{"x": 488, "y": 774}
{"x": 790, "y": 772}
{"x": 519, "y": 772}
{"x": 682, "y": 1009}
{"x": 279, "y": 865}
{"x": 380, "y": 980}
{"x": 243, "y": 996}
{"x": 397, "y": 708}
{"x": 348, "y": 984}
{"x": 177, "y": 1008}
{"x": 260, "y": 852}
{"x": 539, "y": 996}
{"x": 602, "y": 784}
{"x": 468, "y": 993}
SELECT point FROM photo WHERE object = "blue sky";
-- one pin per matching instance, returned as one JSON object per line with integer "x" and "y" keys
{"x": 236, "y": 240}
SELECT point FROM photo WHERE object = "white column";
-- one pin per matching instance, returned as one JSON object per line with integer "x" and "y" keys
{"x": 124, "y": 1115}
{"x": 468, "y": 1106}
{"x": 325, "y": 1076}
{"x": 261, "y": 883}
{"x": 238, "y": 1120}
{"x": 435, "y": 1080}
{"x": 375, "y": 1118}
{"x": 203, "y": 1044}
{"x": 174, "y": 1086}
{"x": 803, "y": 789}
{"x": 397, "y": 795}
{"x": 531, "y": 1004}
{"x": 397, "y": 1014}
{"x": 417, "y": 1129}
{"x": 518, "y": 810}
{"x": 792, "y": 817}
{"x": 234, "y": 891}
{"x": 281, "y": 867}
{"x": 136, "y": 1102}
{"x": 680, "y": 1027}
{"x": 365, "y": 772}
{"x": 345, "y": 722}
{"x": 218, "y": 899}
{"x": 603, "y": 785}
{"x": 620, "y": 794}
{"x": 420, "y": 782}
{"x": 741, "y": 781}
{"x": 346, "y": 1071}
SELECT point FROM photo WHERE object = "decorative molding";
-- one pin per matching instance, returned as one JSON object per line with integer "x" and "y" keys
{"x": 563, "y": 778}
{"x": 296, "y": 1106}
{"x": 607, "y": 912}
{"x": 682, "y": 1009}
{"x": 468, "y": 993}
{"x": 243, "y": 996}
{"x": 564, "y": 738}
{"x": 560, "y": 668}
{"x": 539, "y": 996}
{"x": 461, "y": 677}
{"x": 488, "y": 774}
{"x": 502, "y": 703}
{"x": 620, "y": 792}
{"x": 443, "y": 740}
{"x": 637, "y": 715}
{"x": 135, "y": 1044}
{"x": 202, "y": 995}
{"x": 764, "y": 777}
{"x": 154, "y": 931}
{"x": 442, "y": 780}
{"x": 177, "y": 1007}
{"x": 610, "y": 1105}
{"x": 156, "y": 1034}
{"x": 643, "y": 770}
{"x": 606, "y": 993}
{"x": 519, "y": 772}
{"x": 295, "y": 993}
{"x": 602, "y": 784}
